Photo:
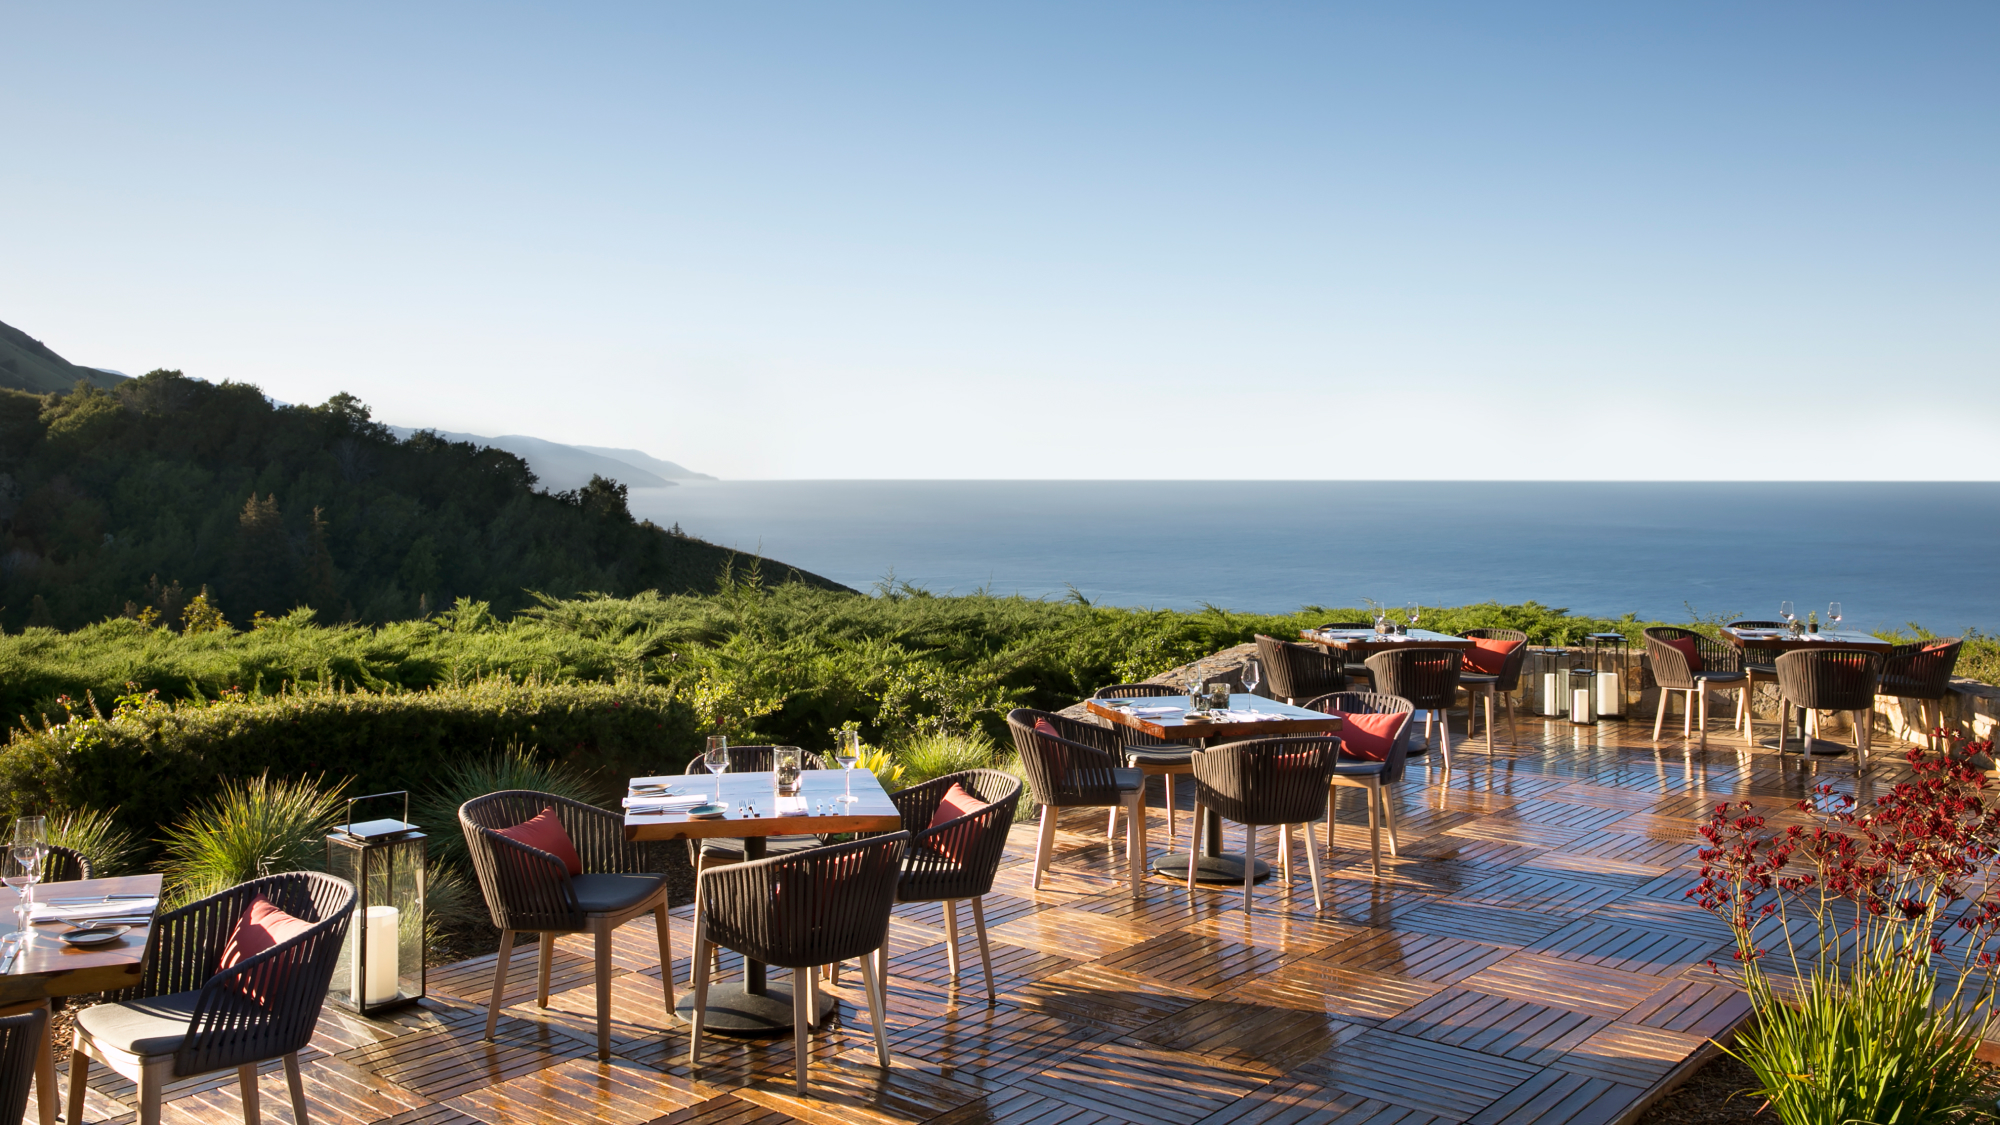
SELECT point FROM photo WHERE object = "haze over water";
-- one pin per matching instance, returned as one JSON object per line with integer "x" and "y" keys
{"x": 1891, "y": 553}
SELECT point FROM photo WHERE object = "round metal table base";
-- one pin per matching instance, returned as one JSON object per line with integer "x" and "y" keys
{"x": 1225, "y": 868}
{"x": 732, "y": 1011}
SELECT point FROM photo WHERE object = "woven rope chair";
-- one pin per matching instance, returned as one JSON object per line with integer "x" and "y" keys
{"x": 21, "y": 1039}
{"x": 728, "y": 849}
{"x": 1260, "y": 782}
{"x": 1675, "y": 675}
{"x": 531, "y": 891}
{"x": 1080, "y": 766}
{"x": 1428, "y": 678}
{"x": 1922, "y": 671}
{"x": 1151, "y": 756}
{"x": 1353, "y": 669}
{"x": 1829, "y": 679}
{"x": 63, "y": 865}
{"x": 1299, "y": 671}
{"x": 956, "y": 861}
{"x": 1374, "y": 778}
{"x": 798, "y": 912}
{"x": 1759, "y": 666}
{"x": 1502, "y": 684}
{"x": 187, "y": 1017}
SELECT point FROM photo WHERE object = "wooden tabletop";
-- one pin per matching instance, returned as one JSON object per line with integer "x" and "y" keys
{"x": 1297, "y": 720}
{"x": 1755, "y": 638}
{"x": 1352, "y": 640}
{"x": 871, "y": 812}
{"x": 48, "y": 966}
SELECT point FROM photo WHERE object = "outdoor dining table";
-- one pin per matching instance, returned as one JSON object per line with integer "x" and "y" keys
{"x": 1360, "y": 643}
{"x": 1213, "y": 864}
{"x": 755, "y": 1006}
{"x": 47, "y": 967}
{"x": 1782, "y": 641}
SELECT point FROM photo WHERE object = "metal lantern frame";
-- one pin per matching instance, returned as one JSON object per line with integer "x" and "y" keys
{"x": 387, "y": 860}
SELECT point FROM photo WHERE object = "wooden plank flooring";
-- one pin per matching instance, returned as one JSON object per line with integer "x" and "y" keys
{"x": 1528, "y": 958}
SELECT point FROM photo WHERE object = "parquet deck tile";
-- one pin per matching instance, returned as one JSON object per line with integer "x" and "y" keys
{"x": 1529, "y": 957}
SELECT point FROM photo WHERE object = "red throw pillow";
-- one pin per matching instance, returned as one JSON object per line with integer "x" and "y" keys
{"x": 956, "y": 803}
{"x": 1939, "y": 646}
{"x": 1057, "y": 755}
{"x": 1368, "y": 736}
{"x": 261, "y": 926}
{"x": 1488, "y": 656}
{"x": 545, "y": 833}
{"x": 1689, "y": 649}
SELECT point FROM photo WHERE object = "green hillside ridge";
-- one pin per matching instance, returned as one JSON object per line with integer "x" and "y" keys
{"x": 27, "y": 364}
{"x": 134, "y": 499}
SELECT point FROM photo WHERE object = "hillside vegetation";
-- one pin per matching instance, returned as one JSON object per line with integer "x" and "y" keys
{"x": 133, "y": 500}
{"x": 27, "y": 364}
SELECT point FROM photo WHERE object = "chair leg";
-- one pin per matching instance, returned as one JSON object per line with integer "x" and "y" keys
{"x": 877, "y": 987}
{"x": 1489, "y": 722}
{"x": 500, "y": 966}
{"x": 699, "y": 958}
{"x": 1513, "y": 724}
{"x": 1044, "y": 844}
{"x": 149, "y": 1095}
{"x": 985, "y": 951}
{"x": 1374, "y": 795}
{"x": 1704, "y": 717}
{"x": 1444, "y": 738}
{"x": 1389, "y": 819}
{"x": 79, "y": 1076}
{"x": 1194, "y": 847}
{"x": 542, "y": 958}
{"x": 1660, "y": 718}
{"x": 666, "y": 940}
{"x": 951, "y": 938}
{"x": 603, "y": 993}
{"x": 1249, "y": 863}
{"x": 295, "y": 1083}
{"x": 1111, "y": 828}
{"x": 246, "y": 1081}
{"x": 1285, "y": 855}
{"x": 1135, "y": 839}
{"x": 1172, "y": 833}
{"x": 801, "y": 1025}
{"x": 1312, "y": 868}
{"x": 1687, "y": 717}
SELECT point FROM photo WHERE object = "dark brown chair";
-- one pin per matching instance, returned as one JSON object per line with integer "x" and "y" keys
{"x": 1922, "y": 671}
{"x": 531, "y": 891}
{"x": 1265, "y": 781}
{"x": 1428, "y": 678}
{"x": 63, "y": 865}
{"x": 1081, "y": 765}
{"x": 1375, "y": 778}
{"x": 1829, "y": 679}
{"x": 1151, "y": 756}
{"x": 957, "y": 860}
{"x": 798, "y": 912}
{"x": 187, "y": 1016}
{"x": 1759, "y": 666}
{"x": 1713, "y": 665}
{"x": 1353, "y": 669}
{"x": 1299, "y": 671}
{"x": 729, "y": 849}
{"x": 1502, "y": 684}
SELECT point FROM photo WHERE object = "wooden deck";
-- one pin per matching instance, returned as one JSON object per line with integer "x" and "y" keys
{"x": 1530, "y": 958}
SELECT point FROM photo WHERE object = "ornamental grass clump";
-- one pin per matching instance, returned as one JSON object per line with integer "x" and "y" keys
{"x": 1866, "y": 940}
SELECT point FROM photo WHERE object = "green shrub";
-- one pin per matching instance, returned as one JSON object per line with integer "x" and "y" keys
{"x": 251, "y": 828}
{"x": 436, "y": 809}
{"x": 928, "y": 756}
{"x": 112, "y": 850}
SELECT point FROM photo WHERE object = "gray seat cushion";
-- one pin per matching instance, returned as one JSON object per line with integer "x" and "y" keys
{"x": 1358, "y": 767}
{"x": 142, "y": 1027}
{"x": 608, "y": 894}
{"x": 1475, "y": 679}
{"x": 728, "y": 849}
{"x": 1719, "y": 677}
{"x": 1128, "y": 779}
{"x": 1157, "y": 756}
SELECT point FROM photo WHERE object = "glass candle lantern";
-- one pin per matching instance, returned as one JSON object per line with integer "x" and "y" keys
{"x": 787, "y": 762}
{"x": 382, "y": 965}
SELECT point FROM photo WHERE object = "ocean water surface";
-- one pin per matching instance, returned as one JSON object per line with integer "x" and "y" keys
{"x": 1891, "y": 553}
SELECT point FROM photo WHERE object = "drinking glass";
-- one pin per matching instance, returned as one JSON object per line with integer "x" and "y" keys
{"x": 1381, "y": 619}
{"x": 17, "y": 878}
{"x": 1785, "y": 611}
{"x": 1413, "y": 615}
{"x": 31, "y": 843}
{"x": 1253, "y": 674}
{"x": 847, "y": 751}
{"x": 716, "y": 758}
{"x": 1833, "y": 614}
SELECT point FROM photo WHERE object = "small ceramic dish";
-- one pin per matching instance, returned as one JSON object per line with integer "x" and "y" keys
{"x": 94, "y": 935}
{"x": 708, "y": 812}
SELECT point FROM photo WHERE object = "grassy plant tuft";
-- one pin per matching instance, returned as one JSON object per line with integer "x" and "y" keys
{"x": 251, "y": 828}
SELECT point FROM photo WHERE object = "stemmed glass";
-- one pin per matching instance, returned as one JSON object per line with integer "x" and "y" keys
{"x": 847, "y": 751}
{"x": 716, "y": 757}
{"x": 1253, "y": 674}
{"x": 1413, "y": 615}
{"x": 1833, "y": 615}
{"x": 31, "y": 843}
{"x": 1785, "y": 611}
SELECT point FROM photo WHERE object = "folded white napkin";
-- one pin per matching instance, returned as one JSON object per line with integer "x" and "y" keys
{"x": 790, "y": 806}
{"x": 117, "y": 908}
{"x": 1158, "y": 710}
{"x": 1237, "y": 715}
{"x": 661, "y": 804}
{"x": 669, "y": 779}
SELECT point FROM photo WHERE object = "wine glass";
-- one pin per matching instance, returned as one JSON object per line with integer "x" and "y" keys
{"x": 847, "y": 751}
{"x": 1785, "y": 611}
{"x": 31, "y": 843}
{"x": 16, "y": 877}
{"x": 1833, "y": 615}
{"x": 1253, "y": 674}
{"x": 1413, "y": 615}
{"x": 716, "y": 757}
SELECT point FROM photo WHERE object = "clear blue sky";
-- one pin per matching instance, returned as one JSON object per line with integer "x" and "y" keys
{"x": 1042, "y": 240}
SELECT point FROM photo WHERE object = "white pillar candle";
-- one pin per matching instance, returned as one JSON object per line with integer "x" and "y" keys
{"x": 379, "y": 934}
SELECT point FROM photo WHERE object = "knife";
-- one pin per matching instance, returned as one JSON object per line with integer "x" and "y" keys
{"x": 101, "y": 898}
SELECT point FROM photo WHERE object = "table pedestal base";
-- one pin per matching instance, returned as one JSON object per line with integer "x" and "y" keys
{"x": 733, "y": 1010}
{"x": 1226, "y": 868}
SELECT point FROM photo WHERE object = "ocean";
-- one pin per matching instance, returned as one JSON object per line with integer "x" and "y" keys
{"x": 1891, "y": 553}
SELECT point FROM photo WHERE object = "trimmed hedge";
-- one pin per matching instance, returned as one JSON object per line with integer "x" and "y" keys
{"x": 151, "y": 760}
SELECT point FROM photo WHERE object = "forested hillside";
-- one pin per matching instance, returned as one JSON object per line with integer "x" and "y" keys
{"x": 27, "y": 364}
{"x": 131, "y": 500}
